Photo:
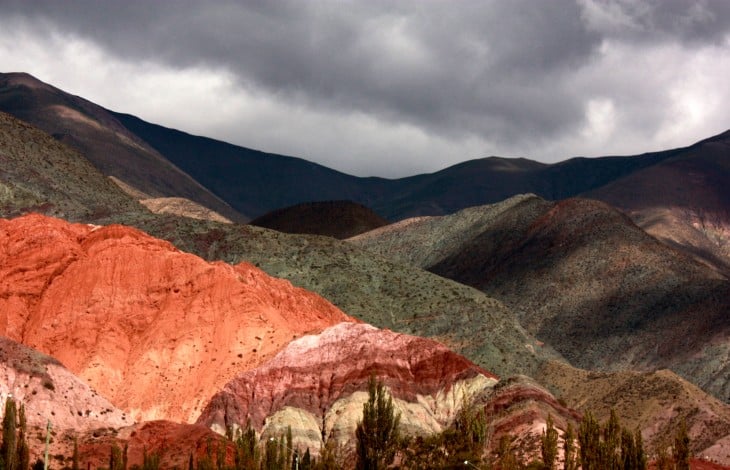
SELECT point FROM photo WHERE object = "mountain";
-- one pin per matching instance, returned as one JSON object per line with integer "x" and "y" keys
{"x": 369, "y": 287}
{"x": 318, "y": 384}
{"x": 151, "y": 162}
{"x": 103, "y": 140}
{"x": 39, "y": 174}
{"x": 655, "y": 402}
{"x": 154, "y": 330}
{"x": 337, "y": 219}
{"x": 683, "y": 200}
{"x": 51, "y": 393}
{"x": 582, "y": 277}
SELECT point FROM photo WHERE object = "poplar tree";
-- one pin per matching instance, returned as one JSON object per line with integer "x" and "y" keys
{"x": 569, "y": 462}
{"x": 9, "y": 445}
{"x": 22, "y": 449}
{"x": 549, "y": 444}
{"x": 377, "y": 434}
{"x": 680, "y": 452}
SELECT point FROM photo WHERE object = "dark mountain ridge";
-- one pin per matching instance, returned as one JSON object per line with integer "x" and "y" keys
{"x": 103, "y": 140}
{"x": 256, "y": 182}
{"x": 160, "y": 160}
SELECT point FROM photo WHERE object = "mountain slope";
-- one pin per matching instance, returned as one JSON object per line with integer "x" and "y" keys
{"x": 584, "y": 279}
{"x": 654, "y": 402}
{"x": 318, "y": 384}
{"x": 39, "y": 174}
{"x": 106, "y": 143}
{"x": 51, "y": 393}
{"x": 371, "y": 288}
{"x": 155, "y": 330}
{"x": 683, "y": 201}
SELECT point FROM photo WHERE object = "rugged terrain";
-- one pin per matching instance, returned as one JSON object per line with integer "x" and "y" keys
{"x": 146, "y": 324}
{"x": 655, "y": 402}
{"x": 155, "y": 330}
{"x": 584, "y": 279}
{"x": 40, "y": 174}
{"x": 683, "y": 201}
{"x": 369, "y": 287}
{"x": 318, "y": 384}
{"x": 103, "y": 140}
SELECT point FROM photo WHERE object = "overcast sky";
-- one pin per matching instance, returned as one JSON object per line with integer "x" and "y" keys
{"x": 393, "y": 88}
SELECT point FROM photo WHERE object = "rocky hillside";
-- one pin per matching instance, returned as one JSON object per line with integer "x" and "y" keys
{"x": 584, "y": 279}
{"x": 372, "y": 288}
{"x": 155, "y": 330}
{"x": 318, "y": 384}
{"x": 654, "y": 402}
{"x": 39, "y": 174}
{"x": 103, "y": 140}
{"x": 51, "y": 393}
{"x": 337, "y": 219}
{"x": 683, "y": 201}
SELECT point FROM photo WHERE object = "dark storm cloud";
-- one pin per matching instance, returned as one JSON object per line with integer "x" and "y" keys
{"x": 501, "y": 70}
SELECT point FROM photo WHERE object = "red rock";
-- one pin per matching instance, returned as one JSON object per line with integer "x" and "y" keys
{"x": 318, "y": 384}
{"x": 155, "y": 330}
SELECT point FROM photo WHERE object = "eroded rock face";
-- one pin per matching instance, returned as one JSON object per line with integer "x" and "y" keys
{"x": 318, "y": 384}
{"x": 51, "y": 393}
{"x": 155, "y": 330}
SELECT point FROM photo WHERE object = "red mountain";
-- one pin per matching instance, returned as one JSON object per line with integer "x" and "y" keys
{"x": 155, "y": 330}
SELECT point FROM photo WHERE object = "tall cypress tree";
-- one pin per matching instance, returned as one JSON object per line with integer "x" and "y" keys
{"x": 75, "y": 456}
{"x": 9, "y": 445}
{"x": 377, "y": 434}
{"x": 570, "y": 460}
{"x": 22, "y": 449}
{"x": 549, "y": 444}
{"x": 680, "y": 452}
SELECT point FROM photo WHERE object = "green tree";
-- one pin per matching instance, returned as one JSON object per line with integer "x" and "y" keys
{"x": 549, "y": 444}
{"x": 681, "y": 452}
{"x": 640, "y": 454}
{"x": 589, "y": 439}
{"x": 150, "y": 461}
{"x": 247, "y": 453}
{"x": 569, "y": 453}
{"x": 306, "y": 463}
{"x": 22, "y": 449}
{"x": 377, "y": 434}
{"x": 507, "y": 458}
{"x": 8, "y": 449}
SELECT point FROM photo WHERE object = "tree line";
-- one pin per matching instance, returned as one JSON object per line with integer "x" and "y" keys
{"x": 380, "y": 445}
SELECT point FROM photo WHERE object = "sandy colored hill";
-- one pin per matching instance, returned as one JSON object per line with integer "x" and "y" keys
{"x": 51, "y": 393}
{"x": 318, "y": 384}
{"x": 655, "y": 402}
{"x": 155, "y": 330}
{"x": 337, "y": 219}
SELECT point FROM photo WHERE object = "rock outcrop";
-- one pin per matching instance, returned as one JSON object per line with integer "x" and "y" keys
{"x": 318, "y": 384}
{"x": 155, "y": 330}
{"x": 51, "y": 393}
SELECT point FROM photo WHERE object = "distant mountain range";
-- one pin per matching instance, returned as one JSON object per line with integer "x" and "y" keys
{"x": 680, "y": 195}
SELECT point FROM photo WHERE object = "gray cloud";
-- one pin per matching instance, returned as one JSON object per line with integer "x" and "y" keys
{"x": 515, "y": 77}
